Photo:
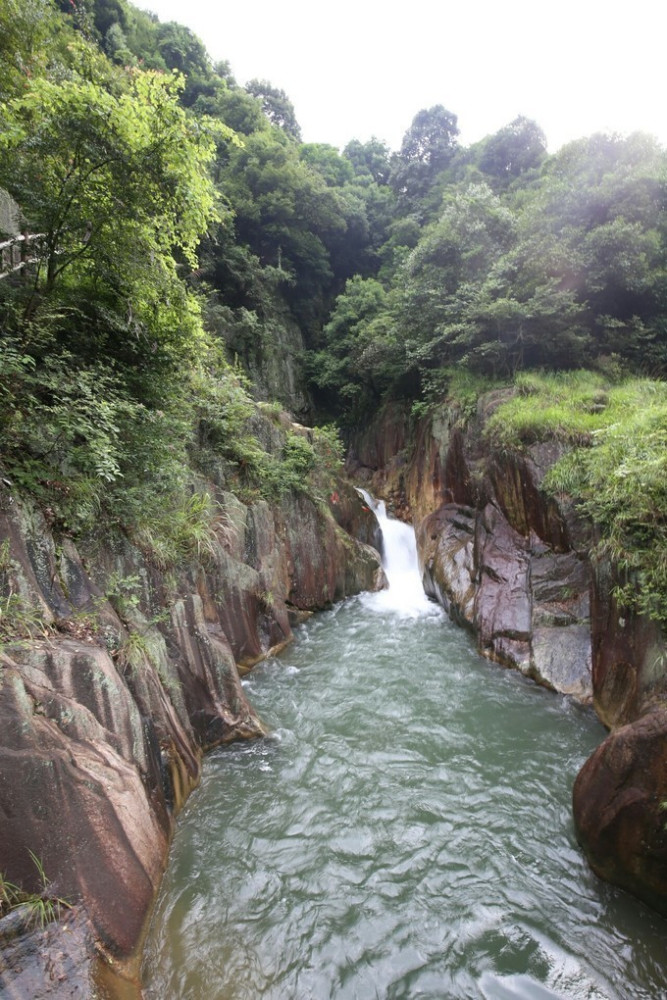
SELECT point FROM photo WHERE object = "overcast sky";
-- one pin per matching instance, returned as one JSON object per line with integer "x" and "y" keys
{"x": 357, "y": 68}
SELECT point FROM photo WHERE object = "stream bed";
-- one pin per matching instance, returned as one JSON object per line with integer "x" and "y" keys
{"x": 405, "y": 831}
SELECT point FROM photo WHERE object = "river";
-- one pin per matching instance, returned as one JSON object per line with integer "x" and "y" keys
{"x": 405, "y": 832}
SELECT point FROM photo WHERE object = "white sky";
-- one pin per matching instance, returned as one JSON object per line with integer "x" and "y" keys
{"x": 357, "y": 68}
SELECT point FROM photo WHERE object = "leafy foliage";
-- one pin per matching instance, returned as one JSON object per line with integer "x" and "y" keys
{"x": 427, "y": 149}
{"x": 33, "y": 39}
{"x": 615, "y": 470}
{"x": 512, "y": 152}
{"x": 276, "y": 105}
{"x": 116, "y": 185}
{"x": 351, "y": 365}
{"x": 189, "y": 233}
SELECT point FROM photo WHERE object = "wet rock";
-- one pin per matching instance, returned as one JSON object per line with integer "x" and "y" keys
{"x": 324, "y": 565}
{"x": 355, "y": 517}
{"x": 216, "y": 705}
{"x": 560, "y": 585}
{"x": 446, "y": 541}
{"x": 54, "y": 961}
{"x": 83, "y": 809}
{"x": 561, "y": 632}
{"x": 105, "y": 710}
{"x": 619, "y": 808}
{"x": 561, "y": 659}
{"x": 502, "y": 608}
{"x": 629, "y": 675}
{"x": 516, "y": 481}
{"x": 380, "y": 442}
{"x": 527, "y": 605}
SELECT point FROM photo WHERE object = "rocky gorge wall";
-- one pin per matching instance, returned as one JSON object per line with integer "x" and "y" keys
{"x": 520, "y": 570}
{"x": 122, "y": 674}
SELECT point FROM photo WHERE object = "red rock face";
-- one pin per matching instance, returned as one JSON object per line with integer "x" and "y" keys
{"x": 629, "y": 663}
{"x": 81, "y": 786}
{"x": 377, "y": 445}
{"x": 526, "y": 604}
{"x": 619, "y": 802}
{"x": 104, "y": 713}
{"x": 501, "y": 566}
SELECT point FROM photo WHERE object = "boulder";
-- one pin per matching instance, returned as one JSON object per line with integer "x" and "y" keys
{"x": 52, "y": 961}
{"x": 620, "y": 808}
{"x": 446, "y": 541}
{"x": 502, "y": 611}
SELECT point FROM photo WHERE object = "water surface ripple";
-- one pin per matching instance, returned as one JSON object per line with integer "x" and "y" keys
{"x": 404, "y": 833}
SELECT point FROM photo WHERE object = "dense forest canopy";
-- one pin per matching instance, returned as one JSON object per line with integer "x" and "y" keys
{"x": 190, "y": 239}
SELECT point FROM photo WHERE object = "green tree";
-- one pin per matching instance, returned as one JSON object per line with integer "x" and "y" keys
{"x": 233, "y": 106}
{"x": 361, "y": 357}
{"x": 293, "y": 221}
{"x": 595, "y": 226}
{"x": 369, "y": 159}
{"x": 117, "y": 184}
{"x": 109, "y": 13}
{"x": 32, "y": 35}
{"x": 327, "y": 161}
{"x": 277, "y": 107}
{"x": 513, "y": 151}
{"x": 427, "y": 149}
{"x": 445, "y": 271}
{"x": 182, "y": 50}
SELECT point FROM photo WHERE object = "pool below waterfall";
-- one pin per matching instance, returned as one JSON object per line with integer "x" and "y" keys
{"x": 404, "y": 832}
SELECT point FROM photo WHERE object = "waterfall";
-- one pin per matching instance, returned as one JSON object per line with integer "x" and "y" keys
{"x": 405, "y": 594}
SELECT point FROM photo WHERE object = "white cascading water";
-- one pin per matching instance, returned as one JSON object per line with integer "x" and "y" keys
{"x": 405, "y": 594}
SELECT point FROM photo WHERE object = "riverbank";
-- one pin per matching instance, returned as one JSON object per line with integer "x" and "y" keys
{"x": 522, "y": 569}
{"x": 405, "y": 830}
{"x": 121, "y": 675}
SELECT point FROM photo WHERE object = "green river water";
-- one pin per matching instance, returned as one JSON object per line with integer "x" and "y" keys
{"x": 405, "y": 832}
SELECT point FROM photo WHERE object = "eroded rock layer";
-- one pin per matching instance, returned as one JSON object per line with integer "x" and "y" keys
{"x": 501, "y": 558}
{"x": 125, "y": 672}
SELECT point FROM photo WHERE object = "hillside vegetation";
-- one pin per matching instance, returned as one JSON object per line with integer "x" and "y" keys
{"x": 196, "y": 255}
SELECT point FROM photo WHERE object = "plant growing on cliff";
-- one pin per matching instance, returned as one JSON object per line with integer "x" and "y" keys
{"x": 309, "y": 461}
{"x": 615, "y": 467}
{"x": 187, "y": 529}
{"x": 134, "y": 652}
{"x": 567, "y": 406}
{"x": 288, "y": 470}
{"x": 20, "y": 620}
{"x": 624, "y": 490}
{"x": 614, "y": 433}
{"x": 123, "y": 592}
{"x": 457, "y": 388}
{"x": 39, "y": 907}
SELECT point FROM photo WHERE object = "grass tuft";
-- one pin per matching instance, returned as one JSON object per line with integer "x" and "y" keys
{"x": 40, "y": 907}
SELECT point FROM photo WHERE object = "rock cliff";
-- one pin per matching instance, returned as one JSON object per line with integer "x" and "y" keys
{"x": 120, "y": 673}
{"x": 520, "y": 570}
{"x": 501, "y": 559}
